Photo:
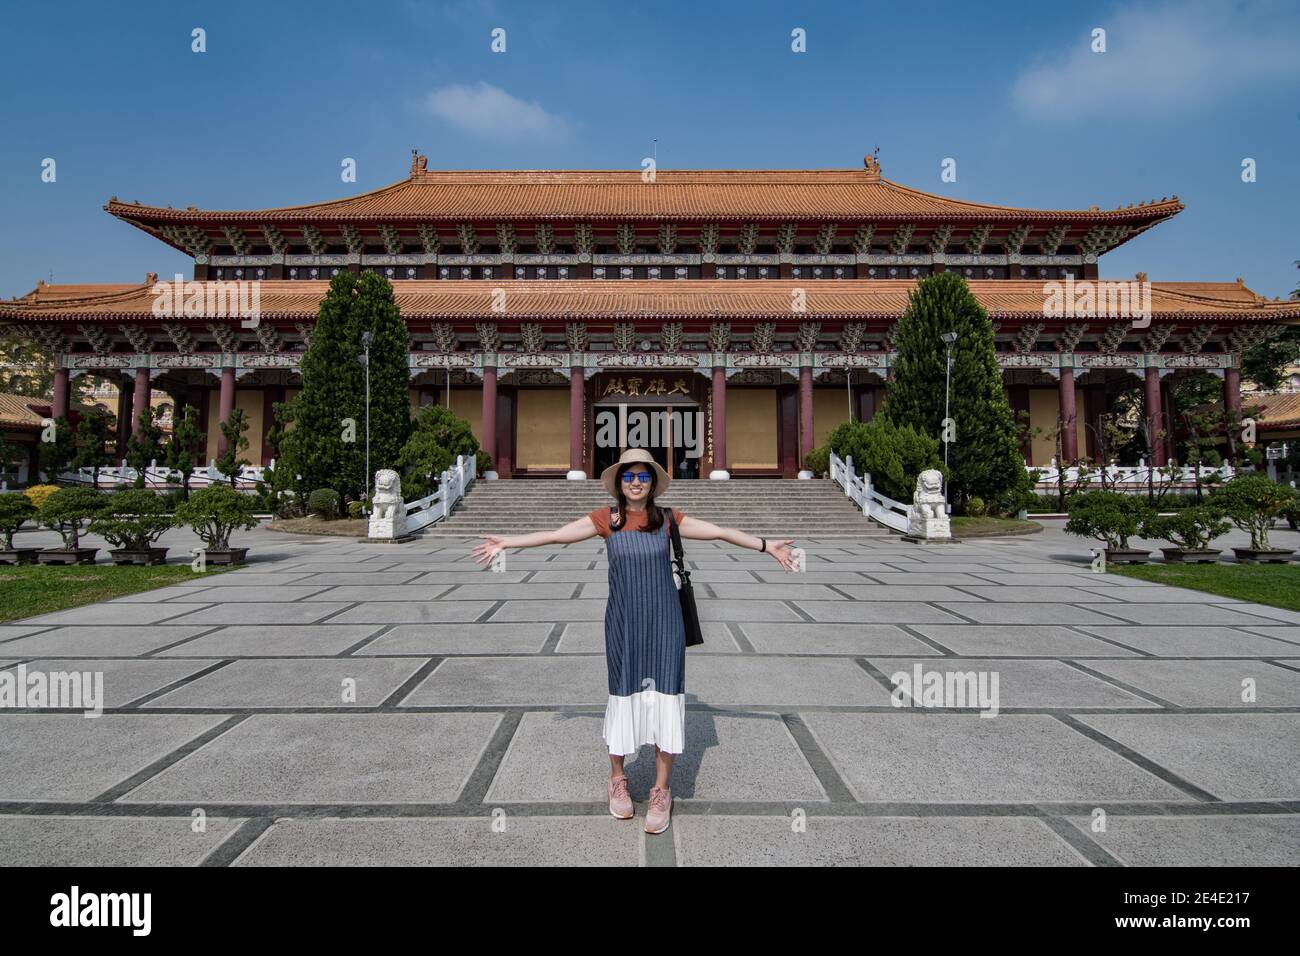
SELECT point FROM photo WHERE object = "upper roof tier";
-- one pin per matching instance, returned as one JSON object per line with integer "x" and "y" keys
{"x": 849, "y": 196}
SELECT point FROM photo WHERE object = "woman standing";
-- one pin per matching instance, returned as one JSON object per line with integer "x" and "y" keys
{"x": 645, "y": 639}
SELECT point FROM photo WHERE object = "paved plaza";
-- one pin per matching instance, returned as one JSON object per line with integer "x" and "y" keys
{"x": 340, "y": 702}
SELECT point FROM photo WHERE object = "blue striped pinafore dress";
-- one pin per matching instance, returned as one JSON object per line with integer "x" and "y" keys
{"x": 645, "y": 645}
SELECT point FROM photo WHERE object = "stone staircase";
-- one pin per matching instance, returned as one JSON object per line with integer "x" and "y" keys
{"x": 767, "y": 507}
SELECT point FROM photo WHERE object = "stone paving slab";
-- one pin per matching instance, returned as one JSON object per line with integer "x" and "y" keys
{"x": 870, "y": 841}
{"x": 110, "y": 613}
{"x": 124, "y": 679}
{"x": 1233, "y": 756}
{"x": 571, "y": 610}
{"x": 255, "y": 612}
{"x": 411, "y": 612}
{"x": 958, "y": 758}
{"x": 105, "y": 641}
{"x": 274, "y": 640}
{"x": 1013, "y": 640}
{"x": 1193, "y": 641}
{"x": 876, "y": 612}
{"x": 559, "y": 758}
{"x": 907, "y": 592}
{"x": 1037, "y": 613}
{"x": 833, "y": 639}
{"x": 328, "y": 758}
{"x": 314, "y": 682}
{"x": 514, "y": 682}
{"x": 727, "y": 681}
{"x": 432, "y": 639}
{"x": 588, "y": 637}
{"x": 1212, "y": 840}
{"x": 1192, "y": 614}
{"x": 1284, "y": 632}
{"x": 477, "y": 841}
{"x": 62, "y": 757}
{"x": 265, "y": 593}
{"x": 110, "y": 841}
{"x": 1045, "y": 684}
{"x": 1208, "y": 683}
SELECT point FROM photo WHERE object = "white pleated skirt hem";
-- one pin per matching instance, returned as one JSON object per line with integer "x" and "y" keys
{"x": 647, "y": 717}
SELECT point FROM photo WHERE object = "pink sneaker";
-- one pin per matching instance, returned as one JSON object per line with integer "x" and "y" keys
{"x": 620, "y": 801}
{"x": 660, "y": 810}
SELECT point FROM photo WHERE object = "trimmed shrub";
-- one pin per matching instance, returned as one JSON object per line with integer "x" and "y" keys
{"x": 37, "y": 494}
{"x": 1253, "y": 502}
{"x": 132, "y": 520}
{"x": 1108, "y": 516}
{"x": 1191, "y": 529}
{"x": 214, "y": 512}
{"x": 975, "y": 507}
{"x": 818, "y": 461}
{"x": 324, "y": 502}
{"x": 356, "y": 509}
{"x": 894, "y": 455}
{"x": 15, "y": 510}
{"x": 439, "y": 435}
{"x": 68, "y": 509}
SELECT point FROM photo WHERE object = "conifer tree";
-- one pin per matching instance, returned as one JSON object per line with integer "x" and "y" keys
{"x": 984, "y": 456}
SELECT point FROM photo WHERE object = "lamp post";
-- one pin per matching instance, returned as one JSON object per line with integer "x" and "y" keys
{"x": 366, "y": 339}
{"x": 948, "y": 339}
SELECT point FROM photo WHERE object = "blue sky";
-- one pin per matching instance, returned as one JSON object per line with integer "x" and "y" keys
{"x": 1183, "y": 93}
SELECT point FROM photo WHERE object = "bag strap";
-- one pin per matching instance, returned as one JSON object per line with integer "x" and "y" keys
{"x": 677, "y": 540}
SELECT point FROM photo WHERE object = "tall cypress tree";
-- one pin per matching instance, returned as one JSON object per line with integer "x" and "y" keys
{"x": 327, "y": 443}
{"x": 984, "y": 458}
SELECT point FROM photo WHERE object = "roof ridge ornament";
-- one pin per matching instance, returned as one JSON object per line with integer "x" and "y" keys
{"x": 872, "y": 165}
{"x": 419, "y": 164}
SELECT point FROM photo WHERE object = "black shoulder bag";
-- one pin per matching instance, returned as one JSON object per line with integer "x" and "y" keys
{"x": 690, "y": 616}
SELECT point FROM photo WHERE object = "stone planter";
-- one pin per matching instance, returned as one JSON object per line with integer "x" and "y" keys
{"x": 1127, "y": 556}
{"x": 19, "y": 556}
{"x": 1270, "y": 556}
{"x": 149, "y": 556}
{"x": 1192, "y": 556}
{"x": 229, "y": 556}
{"x": 67, "y": 555}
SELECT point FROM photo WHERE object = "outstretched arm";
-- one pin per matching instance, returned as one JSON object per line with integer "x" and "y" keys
{"x": 574, "y": 531}
{"x": 703, "y": 531}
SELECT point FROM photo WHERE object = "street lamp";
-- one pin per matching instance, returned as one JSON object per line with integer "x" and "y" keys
{"x": 948, "y": 339}
{"x": 366, "y": 339}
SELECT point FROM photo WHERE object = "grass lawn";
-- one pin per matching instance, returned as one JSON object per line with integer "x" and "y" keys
{"x": 965, "y": 527}
{"x": 345, "y": 527}
{"x": 1277, "y": 585}
{"x": 30, "y": 589}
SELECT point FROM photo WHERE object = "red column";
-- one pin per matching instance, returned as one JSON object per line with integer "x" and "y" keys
{"x": 1153, "y": 416}
{"x": 577, "y": 381}
{"x": 805, "y": 411}
{"x": 225, "y": 405}
{"x": 62, "y": 393}
{"x": 719, "y": 418}
{"x": 1069, "y": 426}
{"x": 1232, "y": 390}
{"x": 140, "y": 401}
{"x": 1167, "y": 411}
{"x": 125, "y": 414}
{"x": 488, "y": 425}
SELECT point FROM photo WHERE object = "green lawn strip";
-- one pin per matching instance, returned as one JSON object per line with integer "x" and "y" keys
{"x": 31, "y": 589}
{"x": 967, "y": 527}
{"x": 1277, "y": 585}
{"x": 344, "y": 527}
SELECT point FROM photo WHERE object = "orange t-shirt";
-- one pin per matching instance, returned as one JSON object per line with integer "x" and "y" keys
{"x": 634, "y": 520}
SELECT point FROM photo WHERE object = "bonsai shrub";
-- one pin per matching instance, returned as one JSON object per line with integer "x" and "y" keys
{"x": 324, "y": 502}
{"x": 214, "y": 512}
{"x": 356, "y": 509}
{"x": 818, "y": 461}
{"x": 132, "y": 520}
{"x": 15, "y": 508}
{"x": 68, "y": 509}
{"x": 1191, "y": 529}
{"x": 892, "y": 454}
{"x": 975, "y": 507}
{"x": 37, "y": 494}
{"x": 1108, "y": 516}
{"x": 1253, "y": 502}
{"x": 438, "y": 436}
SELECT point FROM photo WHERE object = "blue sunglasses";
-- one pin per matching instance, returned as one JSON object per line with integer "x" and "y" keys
{"x": 641, "y": 476}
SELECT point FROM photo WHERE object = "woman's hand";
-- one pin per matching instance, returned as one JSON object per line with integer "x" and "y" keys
{"x": 782, "y": 551}
{"x": 488, "y": 548}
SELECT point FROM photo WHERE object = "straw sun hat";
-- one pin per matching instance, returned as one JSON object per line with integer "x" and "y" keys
{"x": 641, "y": 456}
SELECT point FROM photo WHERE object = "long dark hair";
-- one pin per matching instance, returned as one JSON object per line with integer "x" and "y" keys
{"x": 654, "y": 519}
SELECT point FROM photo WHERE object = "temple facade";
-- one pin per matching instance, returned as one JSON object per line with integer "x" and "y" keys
{"x": 547, "y": 307}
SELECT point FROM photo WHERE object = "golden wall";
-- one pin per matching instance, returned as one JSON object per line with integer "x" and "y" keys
{"x": 1044, "y": 410}
{"x": 751, "y": 427}
{"x": 542, "y": 428}
{"x": 830, "y": 410}
{"x": 250, "y": 400}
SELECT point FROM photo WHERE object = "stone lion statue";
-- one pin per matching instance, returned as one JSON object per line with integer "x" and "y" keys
{"x": 928, "y": 499}
{"x": 387, "y": 499}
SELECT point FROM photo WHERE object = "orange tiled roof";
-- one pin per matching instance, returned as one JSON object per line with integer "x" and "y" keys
{"x": 630, "y": 299}
{"x": 17, "y": 410}
{"x": 681, "y": 195}
{"x": 1275, "y": 411}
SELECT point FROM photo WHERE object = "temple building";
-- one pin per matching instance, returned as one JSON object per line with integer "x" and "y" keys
{"x": 765, "y": 301}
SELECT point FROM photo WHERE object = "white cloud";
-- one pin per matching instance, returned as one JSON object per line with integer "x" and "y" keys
{"x": 492, "y": 112}
{"x": 1169, "y": 57}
